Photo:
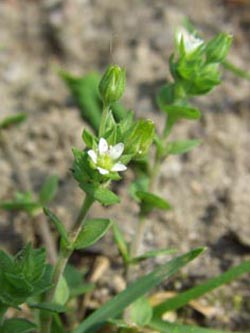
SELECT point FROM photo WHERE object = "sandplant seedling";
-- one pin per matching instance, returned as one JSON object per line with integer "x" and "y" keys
{"x": 116, "y": 141}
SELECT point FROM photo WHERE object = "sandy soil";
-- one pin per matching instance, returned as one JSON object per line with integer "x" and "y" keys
{"x": 209, "y": 187}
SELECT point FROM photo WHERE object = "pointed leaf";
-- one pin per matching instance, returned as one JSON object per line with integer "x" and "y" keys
{"x": 152, "y": 254}
{"x": 181, "y": 147}
{"x": 48, "y": 190}
{"x": 105, "y": 196}
{"x": 92, "y": 231}
{"x": 17, "y": 325}
{"x": 51, "y": 307}
{"x": 182, "y": 111}
{"x": 57, "y": 223}
{"x": 84, "y": 91}
{"x": 140, "y": 287}
{"x": 149, "y": 201}
{"x": 12, "y": 120}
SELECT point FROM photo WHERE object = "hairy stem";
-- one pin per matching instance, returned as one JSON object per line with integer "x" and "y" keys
{"x": 46, "y": 318}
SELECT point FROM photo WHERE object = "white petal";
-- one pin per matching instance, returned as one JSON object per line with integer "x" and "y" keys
{"x": 102, "y": 171}
{"x": 103, "y": 146}
{"x": 119, "y": 167}
{"x": 116, "y": 151}
{"x": 92, "y": 155}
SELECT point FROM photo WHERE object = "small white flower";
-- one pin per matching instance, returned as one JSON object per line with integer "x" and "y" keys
{"x": 106, "y": 158}
{"x": 191, "y": 43}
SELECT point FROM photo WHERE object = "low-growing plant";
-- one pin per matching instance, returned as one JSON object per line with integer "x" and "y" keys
{"x": 117, "y": 141}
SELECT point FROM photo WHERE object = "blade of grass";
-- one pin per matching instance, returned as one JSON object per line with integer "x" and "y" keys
{"x": 135, "y": 290}
{"x": 191, "y": 294}
{"x": 166, "y": 327}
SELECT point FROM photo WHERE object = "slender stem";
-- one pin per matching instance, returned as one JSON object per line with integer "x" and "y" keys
{"x": 138, "y": 237}
{"x": 142, "y": 221}
{"x": 46, "y": 318}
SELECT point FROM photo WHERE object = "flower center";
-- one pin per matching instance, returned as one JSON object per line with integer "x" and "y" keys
{"x": 105, "y": 161}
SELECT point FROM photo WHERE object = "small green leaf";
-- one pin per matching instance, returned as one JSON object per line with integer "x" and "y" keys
{"x": 92, "y": 231}
{"x": 12, "y": 120}
{"x": 181, "y": 147}
{"x": 57, "y": 223}
{"x": 182, "y": 112}
{"x": 105, "y": 196}
{"x": 149, "y": 201}
{"x": 51, "y": 307}
{"x": 22, "y": 201}
{"x": 135, "y": 290}
{"x": 62, "y": 292}
{"x": 88, "y": 138}
{"x": 141, "y": 312}
{"x": 17, "y": 325}
{"x": 12, "y": 205}
{"x": 48, "y": 190}
{"x": 82, "y": 289}
{"x": 84, "y": 91}
{"x": 120, "y": 242}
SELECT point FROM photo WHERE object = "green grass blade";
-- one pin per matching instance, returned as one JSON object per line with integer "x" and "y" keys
{"x": 166, "y": 327}
{"x": 137, "y": 289}
{"x": 191, "y": 294}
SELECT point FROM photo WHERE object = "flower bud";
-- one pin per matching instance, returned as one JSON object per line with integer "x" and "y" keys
{"x": 112, "y": 84}
{"x": 217, "y": 48}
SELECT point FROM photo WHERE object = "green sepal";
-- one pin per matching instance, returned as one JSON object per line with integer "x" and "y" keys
{"x": 139, "y": 138}
{"x": 12, "y": 120}
{"x": 48, "y": 190}
{"x": 181, "y": 147}
{"x": 112, "y": 84}
{"x": 218, "y": 47}
{"x": 150, "y": 201}
{"x": 91, "y": 232}
{"x": 57, "y": 223}
{"x": 82, "y": 171}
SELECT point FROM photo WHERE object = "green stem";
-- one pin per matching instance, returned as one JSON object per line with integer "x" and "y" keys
{"x": 64, "y": 255}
